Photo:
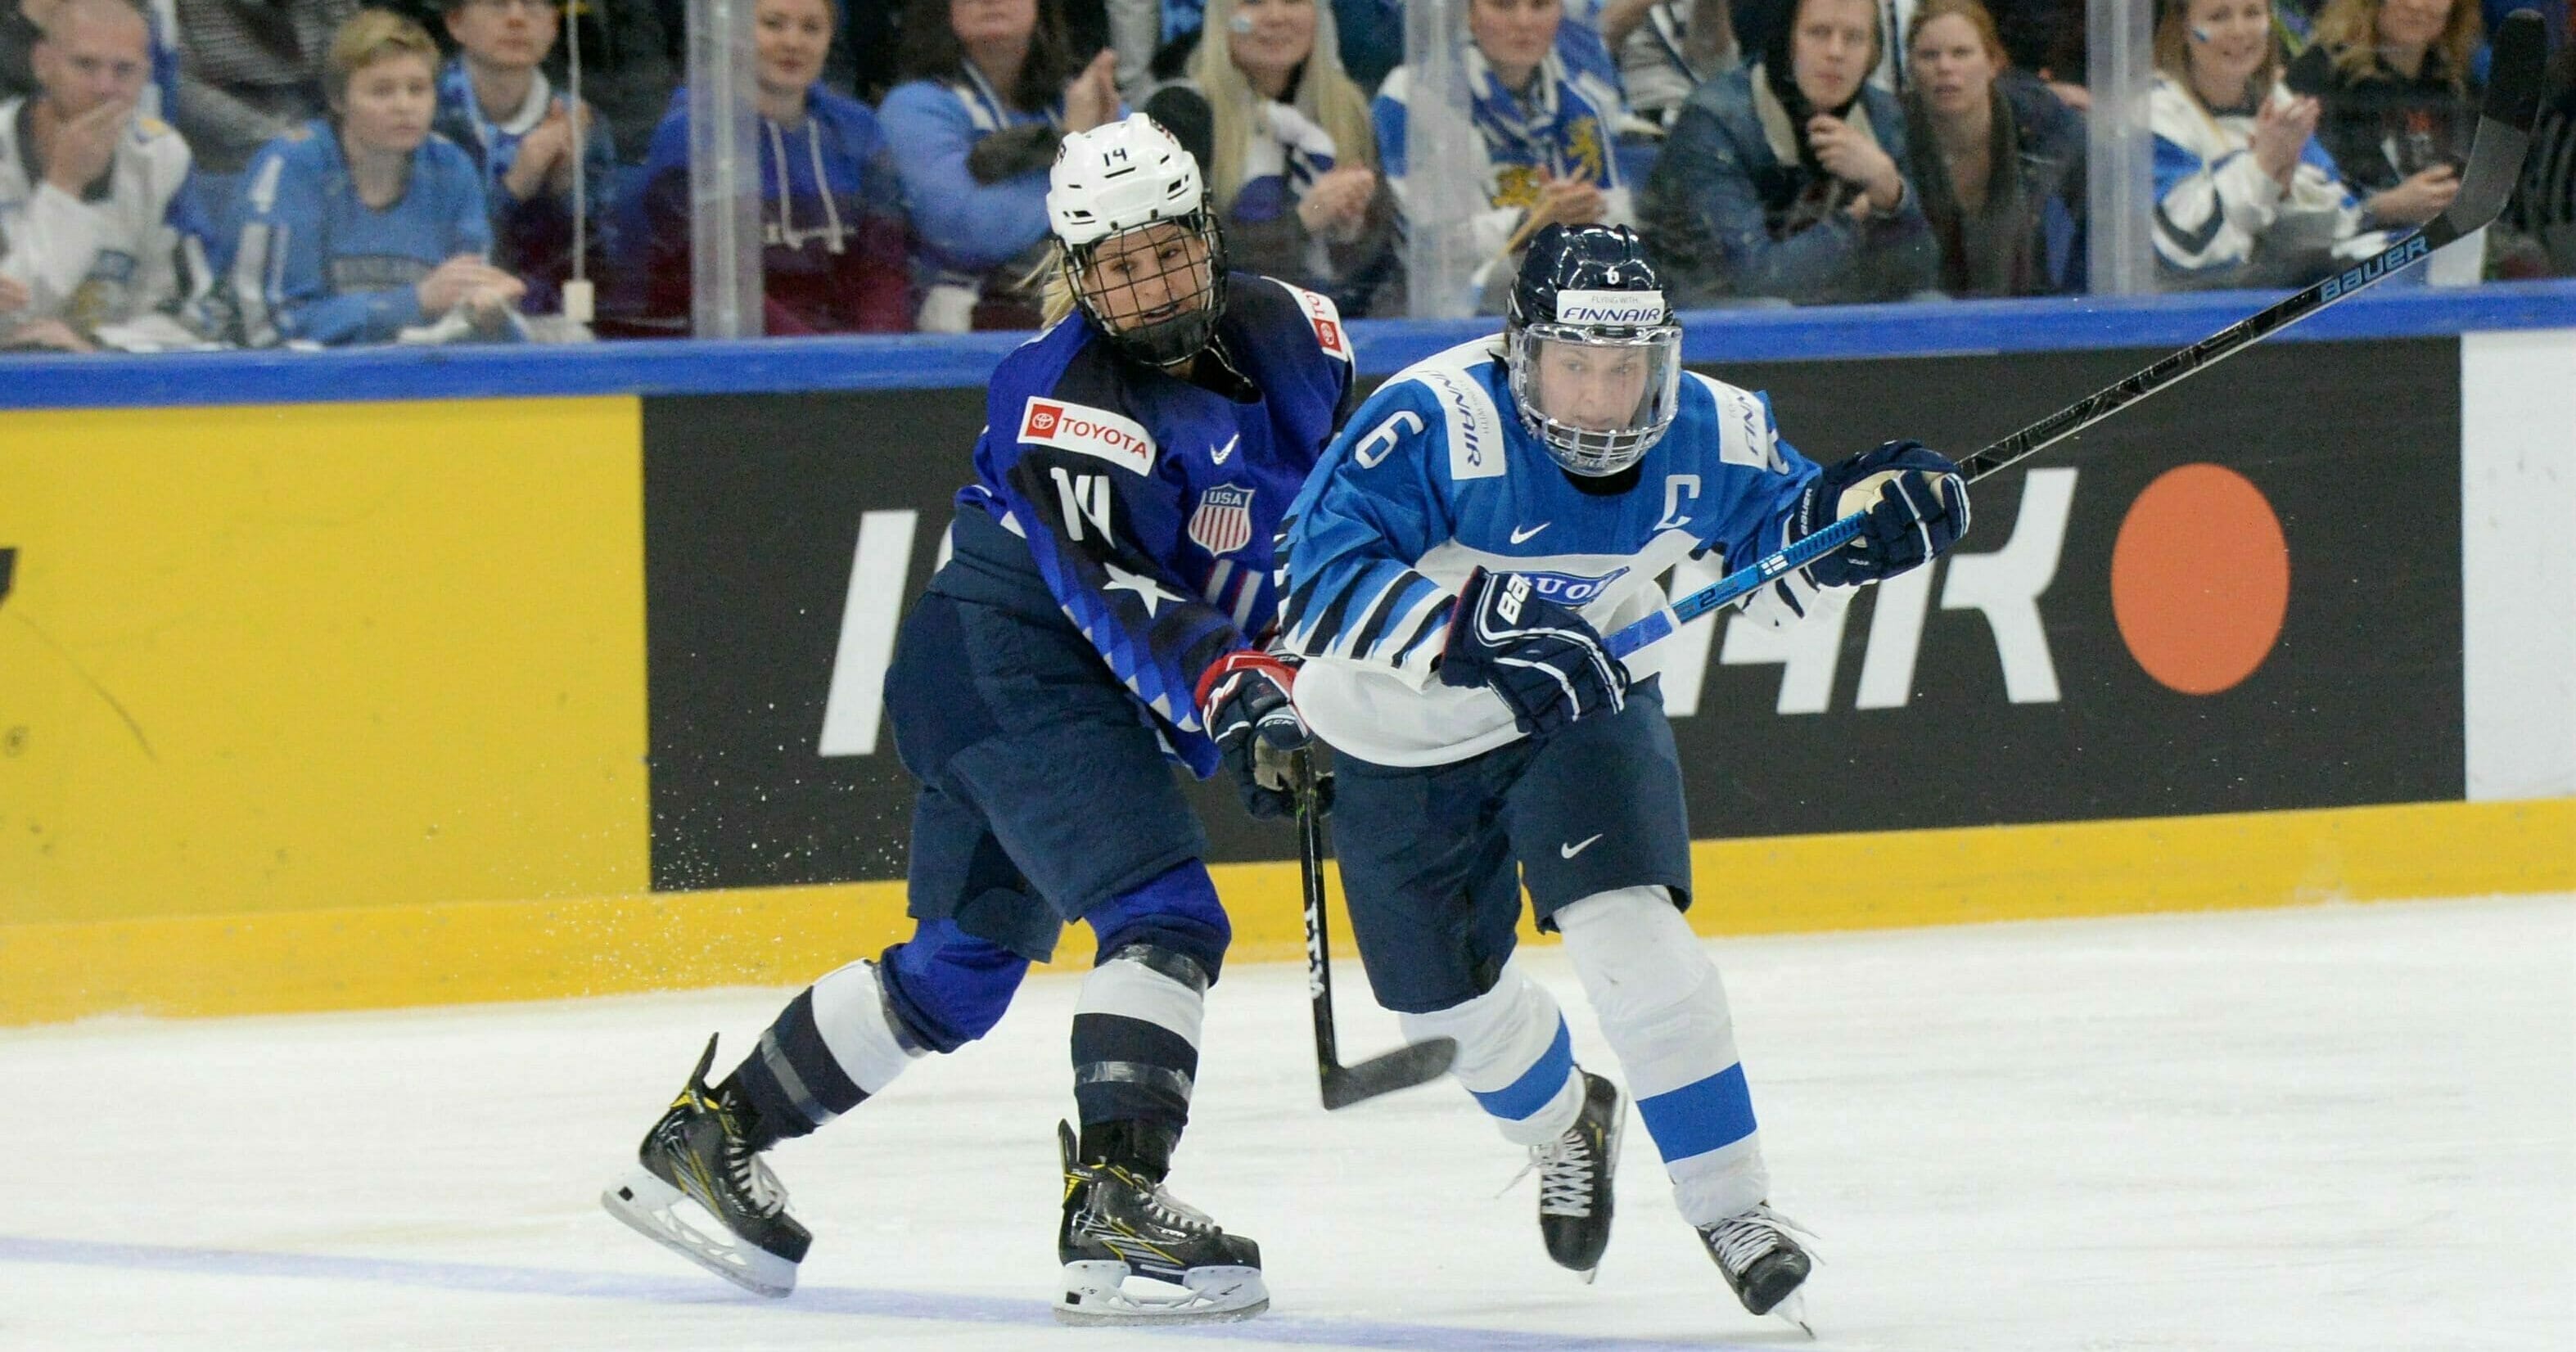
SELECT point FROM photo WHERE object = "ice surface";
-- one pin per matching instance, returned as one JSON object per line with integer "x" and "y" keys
{"x": 2337, "y": 1128}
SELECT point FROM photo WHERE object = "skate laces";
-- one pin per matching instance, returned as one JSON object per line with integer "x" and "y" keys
{"x": 1741, "y": 1239}
{"x": 1564, "y": 1168}
{"x": 753, "y": 1179}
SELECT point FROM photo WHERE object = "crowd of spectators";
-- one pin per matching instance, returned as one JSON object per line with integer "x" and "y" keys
{"x": 195, "y": 173}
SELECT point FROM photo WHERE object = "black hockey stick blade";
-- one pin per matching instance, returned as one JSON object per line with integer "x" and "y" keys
{"x": 1406, "y": 1066}
{"x": 2521, "y": 52}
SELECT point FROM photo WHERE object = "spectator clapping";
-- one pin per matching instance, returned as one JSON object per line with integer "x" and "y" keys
{"x": 496, "y": 103}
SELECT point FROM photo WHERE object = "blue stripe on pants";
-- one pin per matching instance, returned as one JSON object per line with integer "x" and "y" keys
{"x": 1700, "y": 1116}
{"x": 1538, "y": 1085}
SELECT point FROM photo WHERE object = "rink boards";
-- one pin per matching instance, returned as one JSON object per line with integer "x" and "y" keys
{"x": 423, "y": 700}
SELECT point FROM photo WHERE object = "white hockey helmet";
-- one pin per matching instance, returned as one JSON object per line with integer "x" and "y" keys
{"x": 1132, "y": 175}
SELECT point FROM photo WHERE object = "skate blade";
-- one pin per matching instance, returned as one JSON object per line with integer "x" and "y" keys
{"x": 647, "y": 1205}
{"x": 1096, "y": 1294}
{"x": 1792, "y": 1309}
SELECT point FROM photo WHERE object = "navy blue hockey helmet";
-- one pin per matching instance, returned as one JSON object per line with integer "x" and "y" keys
{"x": 1593, "y": 352}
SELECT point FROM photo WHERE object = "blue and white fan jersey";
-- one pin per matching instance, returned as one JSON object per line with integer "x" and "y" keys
{"x": 1434, "y": 477}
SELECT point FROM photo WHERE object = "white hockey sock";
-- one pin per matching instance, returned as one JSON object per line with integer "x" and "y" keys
{"x": 1663, "y": 1010}
{"x": 1514, "y": 1055}
{"x": 850, "y": 1013}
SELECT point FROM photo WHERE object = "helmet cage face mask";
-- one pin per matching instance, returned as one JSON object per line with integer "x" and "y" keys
{"x": 1182, "y": 324}
{"x": 1587, "y": 451}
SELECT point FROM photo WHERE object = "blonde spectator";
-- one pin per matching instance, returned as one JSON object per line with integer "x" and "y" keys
{"x": 1284, "y": 137}
{"x": 363, "y": 225}
{"x": 1544, "y": 130}
{"x": 2392, "y": 80}
{"x": 2245, "y": 194}
{"x": 97, "y": 224}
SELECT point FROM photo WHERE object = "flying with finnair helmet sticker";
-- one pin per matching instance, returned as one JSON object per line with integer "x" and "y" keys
{"x": 1088, "y": 431}
{"x": 1623, "y": 309}
{"x": 1327, "y": 319}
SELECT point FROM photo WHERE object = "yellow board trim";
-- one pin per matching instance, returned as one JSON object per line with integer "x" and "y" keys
{"x": 367, "y": 957}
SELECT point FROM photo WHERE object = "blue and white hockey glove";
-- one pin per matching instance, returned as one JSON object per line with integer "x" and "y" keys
{"x": 1917, "y": 504}
{"x": 1541, "y": 656}
{"x": 1245, "y": 698}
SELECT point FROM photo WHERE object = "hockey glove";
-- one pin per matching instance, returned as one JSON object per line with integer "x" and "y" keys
{"x": 1917, "y": 505}
{"x": 1542, "y": 657}
{"x": 1244, "y": 698}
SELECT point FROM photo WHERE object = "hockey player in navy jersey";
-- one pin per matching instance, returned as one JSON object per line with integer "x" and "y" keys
{"x": 1112, "y": 557}
{"x": 1483, "y": 519}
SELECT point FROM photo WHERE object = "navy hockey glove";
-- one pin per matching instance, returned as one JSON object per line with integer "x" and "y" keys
{"x": 1917, "y": 504}
{"x": 1244, "y": 698}
{"x": 1541, "y": 656}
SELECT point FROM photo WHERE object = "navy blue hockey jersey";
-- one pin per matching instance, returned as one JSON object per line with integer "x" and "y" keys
{"x": 1150, "y": 503}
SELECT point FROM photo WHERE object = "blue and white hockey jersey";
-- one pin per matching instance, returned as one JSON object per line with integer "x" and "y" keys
{"x": 1150, "y": 504}
{"x": 317, "y": 265}
{"x": 1434, "y": 477}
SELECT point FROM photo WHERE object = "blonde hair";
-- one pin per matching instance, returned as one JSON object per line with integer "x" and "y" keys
{"x": 2173, "y": 55}
{"x": 2349, "y": 31}
{"x": 370, "y": 36}
{"x": 1324, "y": 94}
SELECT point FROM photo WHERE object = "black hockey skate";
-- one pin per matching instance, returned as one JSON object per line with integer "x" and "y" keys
{"x": 1120, "y": 1224}
{"x": 698, "y": 1152}
{"x": 1574, "y": 1177}
{"x": 1761, "y": 1260}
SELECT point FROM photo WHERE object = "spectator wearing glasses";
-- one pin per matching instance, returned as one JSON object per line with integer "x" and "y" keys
{"x": 1999, "y": 158}
{"x": 496, "y": 103}
{"x": 1786, "y": 181}
{"x": 990, "y": 87}
{"x": 98, "y": 230}
{"x": 2391, "y": 78}
{"x": 366, "y": 226}
{"x": 831, "y": 213}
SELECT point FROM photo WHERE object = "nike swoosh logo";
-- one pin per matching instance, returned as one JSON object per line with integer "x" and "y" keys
{"x": 1218, "y": 455}
{"x": 1569, "y": 851}
{"x": 1519, "y": 535}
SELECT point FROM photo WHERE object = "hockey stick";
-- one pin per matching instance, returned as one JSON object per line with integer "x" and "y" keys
{"x": 1406, "y": 1066}
{"x": 2495, "y": 160}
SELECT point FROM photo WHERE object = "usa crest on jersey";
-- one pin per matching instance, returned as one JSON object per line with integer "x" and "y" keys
{"x": 1223, "y": 522}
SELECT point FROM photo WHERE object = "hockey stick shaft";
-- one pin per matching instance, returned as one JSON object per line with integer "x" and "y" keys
{"x": 1319, "y": 949}
{"x": 1406, "y": 1066}
{"x": 2495, "y": 159}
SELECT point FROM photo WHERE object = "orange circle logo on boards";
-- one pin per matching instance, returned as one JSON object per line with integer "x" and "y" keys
{"x": 2200, "y": 579}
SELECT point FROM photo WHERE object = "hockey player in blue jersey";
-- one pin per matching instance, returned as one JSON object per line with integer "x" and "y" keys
{"x": 1482, "y": 520}
{"x": 1112, "y": 556}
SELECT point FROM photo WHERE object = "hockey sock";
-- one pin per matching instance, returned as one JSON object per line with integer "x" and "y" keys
{"x": 1663, "y": 1010}
{"x": 1514, "y": 1056}
{"x": 836, "y": 1043}
{"x": 1136, "y": 1042}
